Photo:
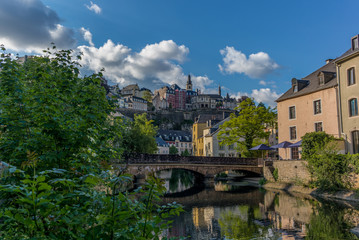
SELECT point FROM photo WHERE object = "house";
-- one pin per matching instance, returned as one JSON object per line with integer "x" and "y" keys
{"x": 310, "y": 105}
{"x": 137, "y": 103}
{"x": 201, "y": 122}
{"x": 182, "y": 140}
{"x": 211, "y": 145}
{"x": 163, "y": 147}
{"x": 348, "y": 72}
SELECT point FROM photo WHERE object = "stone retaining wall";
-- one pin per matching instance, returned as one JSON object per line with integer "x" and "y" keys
{"x": 289, "y": 171}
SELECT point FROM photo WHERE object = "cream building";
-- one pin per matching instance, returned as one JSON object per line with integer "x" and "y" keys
{"x": 310, "y": 105}
{"x": 211, "y": 145}
{"x": 348, "y": 72}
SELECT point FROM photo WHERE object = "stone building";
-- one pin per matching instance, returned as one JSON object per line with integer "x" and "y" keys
{"x": 310, "y": 105}
{"x": 347, "y": 74}
{"x": 182, "y": 140}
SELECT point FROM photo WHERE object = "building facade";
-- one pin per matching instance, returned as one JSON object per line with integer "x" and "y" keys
{"x": 348, "y": 72}
{"x": 182, "y": 140}
{"x": 310, "y": 105}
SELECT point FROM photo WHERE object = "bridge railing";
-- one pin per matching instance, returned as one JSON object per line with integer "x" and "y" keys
{"x": 168, "y": 159}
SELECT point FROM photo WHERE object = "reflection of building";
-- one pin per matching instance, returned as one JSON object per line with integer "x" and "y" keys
{"x": 182, "y": 140}
{"x": 348, "y": 72}
{"x": 202, "y": 217}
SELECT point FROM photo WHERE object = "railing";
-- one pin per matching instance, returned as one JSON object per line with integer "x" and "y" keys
{"x": 167, "y": 159}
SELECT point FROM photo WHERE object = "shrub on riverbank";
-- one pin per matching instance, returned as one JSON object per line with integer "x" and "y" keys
{"x": 330, "y": 171}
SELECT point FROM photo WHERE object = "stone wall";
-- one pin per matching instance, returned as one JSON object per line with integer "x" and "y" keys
{"x": 289, "y": 171}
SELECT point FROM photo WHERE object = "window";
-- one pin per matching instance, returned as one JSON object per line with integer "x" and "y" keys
{"x": 321, "y": 80}
{"x": 293, "y": 133}
{"x": 221, "y": 147}
{"x": 295, "y": 88}
{"x": 295, "y": 153}
{"x": 318, "y": 127}
{"x": 355, "y": 141}
{"x": 317, "y": 107}
{"x": 351, "y": 76}
{"x": 353, "y": 107}
{"x": 230, "y": 147}
{"x": 292, "y": 112}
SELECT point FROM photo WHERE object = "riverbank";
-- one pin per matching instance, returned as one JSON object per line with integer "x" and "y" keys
{"x": 351, "y": 196}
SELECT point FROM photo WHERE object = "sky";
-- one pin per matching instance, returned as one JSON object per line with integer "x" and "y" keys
{"x": 251, "y": 48}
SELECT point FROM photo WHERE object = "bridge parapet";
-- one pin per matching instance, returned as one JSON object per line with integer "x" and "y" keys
{"x": 167, "y": 159}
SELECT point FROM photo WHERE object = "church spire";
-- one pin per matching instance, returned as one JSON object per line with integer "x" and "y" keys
{"x": 219, "y": 90}
{"x": 189, "y": 83}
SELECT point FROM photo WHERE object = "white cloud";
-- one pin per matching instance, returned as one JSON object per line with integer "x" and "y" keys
{"x": 153, "y": 66}
{"x": 94, "y": 7}
{"x": 30, "y": 26}
{"x": 257, "y": 65}
{"x": 265, "y": 95}
{"x": 87, "y": 35}
{"x": 261, "y": 82}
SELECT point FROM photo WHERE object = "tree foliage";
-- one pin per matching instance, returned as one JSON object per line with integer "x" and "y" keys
{"x": 173, "y": 150}
{"x": 329, "y": 170}
{"x": 247, "y": 125}
{"x": 140, "y": 135}
{"x": 59, "y": 139}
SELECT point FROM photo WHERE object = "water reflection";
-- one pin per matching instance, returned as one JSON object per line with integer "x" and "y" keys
{"x": 177, "y": 180}
{"x": 240, "y": 212}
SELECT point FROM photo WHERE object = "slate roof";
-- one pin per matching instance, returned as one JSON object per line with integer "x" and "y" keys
{"x": 347, "y": 53}
{"x": 172, "y": 135}
{"x": 160, "y": 142}
{"x": 313, "y": 81}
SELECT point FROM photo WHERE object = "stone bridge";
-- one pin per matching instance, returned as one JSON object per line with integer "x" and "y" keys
{"x": 141, "y": 165}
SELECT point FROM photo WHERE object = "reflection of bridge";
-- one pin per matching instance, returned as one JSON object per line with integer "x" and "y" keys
{"x": 142, "y": 164}
{"x": 209, "y": 197}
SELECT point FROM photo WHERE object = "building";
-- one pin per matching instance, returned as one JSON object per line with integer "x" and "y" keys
{"x": 201, "y": 122}
{"x": 182, "y": 140}
{"x": 229, "y": 103}
{"x": 348, "y": 72}
{"x": 211, "y": 145}
{"x": 310, "y": 105}
{"x": 163, "y": 147}
{"x": 131, "y": 90}
{"x": 136, "y": 103}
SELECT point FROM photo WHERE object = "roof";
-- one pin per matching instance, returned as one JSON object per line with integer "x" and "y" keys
{"x": 204, "y": 118}
{"x": 160, "y": 142}
{"x": 211, "y": 95}
{"x": 216, "y": 128}
{"x": 347, "y": 54}
{"x": 130, "y": 87}
{"x": 173, "y": 135}
{"x": 313, "y": 85}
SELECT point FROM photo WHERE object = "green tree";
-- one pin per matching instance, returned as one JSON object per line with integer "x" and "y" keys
{"x": 147, "y": 96}
{"x": 185, "y": 153}
{"x": 329, "y": 170}
{"x": 173, "y": 150}
{"x": 58, "y": 136}
{"x": 247, "y": 125}
{"x": 140, "y": 135}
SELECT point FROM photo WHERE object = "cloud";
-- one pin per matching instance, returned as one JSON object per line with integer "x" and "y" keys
{"x": 265, "y": 95}
{"x": 30, "y": 26}
{"x": 154, "y": 66}
{"x": 87, "y": 35}
{"x": 94, "y": 7}
{"x": 261, "y": 82}
{"x": 257, "y": 65}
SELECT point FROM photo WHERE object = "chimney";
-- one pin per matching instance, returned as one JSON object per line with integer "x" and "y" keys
{"x": 328, "y": 60}
{"x": 355, "y": 42}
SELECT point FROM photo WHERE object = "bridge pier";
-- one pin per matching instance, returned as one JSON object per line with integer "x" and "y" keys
{"x": 208, "y": 181}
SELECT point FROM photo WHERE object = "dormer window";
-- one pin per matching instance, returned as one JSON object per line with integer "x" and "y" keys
{"x": 321, "y": 80}
{"x": 295, "y": 88}
{"x": 355, "y": 43}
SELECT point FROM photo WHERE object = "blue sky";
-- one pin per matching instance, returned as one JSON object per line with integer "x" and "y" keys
{"x": 249, "y": 47}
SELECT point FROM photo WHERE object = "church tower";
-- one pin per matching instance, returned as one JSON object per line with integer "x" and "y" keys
{"x": 219, "y": 90}
{"x": 189, "y": 83}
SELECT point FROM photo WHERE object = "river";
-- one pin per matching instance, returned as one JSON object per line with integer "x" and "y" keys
{"x": 240, "y": 210}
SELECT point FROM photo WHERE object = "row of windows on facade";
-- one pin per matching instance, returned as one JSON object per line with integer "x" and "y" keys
{"x": 221, "y": 147}
{"x": 318, "y": 127}
{"x": 317, "y": 108}
{"x": 182, "y": 145}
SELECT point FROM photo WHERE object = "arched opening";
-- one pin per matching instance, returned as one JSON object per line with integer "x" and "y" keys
{"x": 180, "y": 180}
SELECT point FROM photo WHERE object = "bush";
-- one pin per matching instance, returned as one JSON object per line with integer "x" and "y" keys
{"x": 262, "y": 181}
{"x": 329, "y": 170}
{"x": 275, "y": 174}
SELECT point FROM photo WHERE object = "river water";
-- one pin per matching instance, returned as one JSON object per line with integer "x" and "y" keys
{"x": 240, "y": 210}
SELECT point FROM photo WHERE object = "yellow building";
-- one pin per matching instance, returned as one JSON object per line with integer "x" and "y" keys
{"x": 348, "y": 72}
{"x": 201, "y": 122}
